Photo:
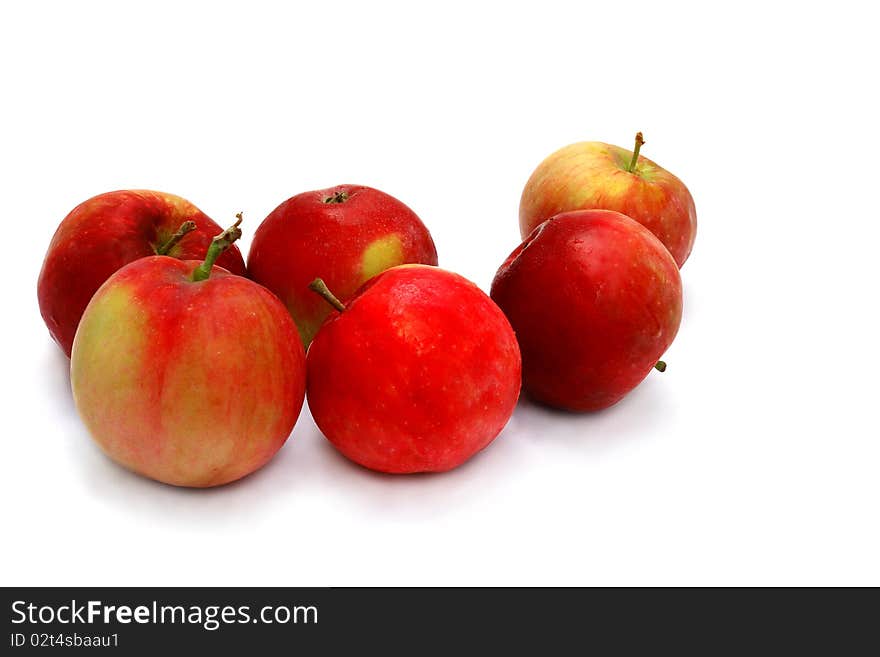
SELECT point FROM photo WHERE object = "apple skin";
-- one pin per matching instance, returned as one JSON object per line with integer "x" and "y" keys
{"x": 103, "y": 234}
{"x": 188, "y": 383}
{"x": 419, "y": 373}
{"x": 595, "y": 300}
{"x": 345, "y": 235}
{"x": 593, "y": 175}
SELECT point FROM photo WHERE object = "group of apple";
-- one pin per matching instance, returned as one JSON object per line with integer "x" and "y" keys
{"x": 190, "y": 367}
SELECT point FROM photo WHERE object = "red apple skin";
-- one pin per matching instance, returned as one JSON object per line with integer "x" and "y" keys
{"x": 188, "y": 383}
{"x": 592, "y": 174}
{"x": 595, "y": 300}
{"x": 103, "y": 234}
{"x": 419, "y": 373}
{"x": 344, "y": 243}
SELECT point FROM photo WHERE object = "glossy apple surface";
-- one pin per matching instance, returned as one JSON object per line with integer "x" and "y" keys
{"x": 189, "y": 383}
{"x": 344, "y": 235}
{"x": 592, "y": 174}
{"x": 417, "y": 374}
{"x": 595, "y": 300}
{"x": 106, "y": 232}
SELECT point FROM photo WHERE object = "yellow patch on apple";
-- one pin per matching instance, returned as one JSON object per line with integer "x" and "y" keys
{"x": 381, "y": 254}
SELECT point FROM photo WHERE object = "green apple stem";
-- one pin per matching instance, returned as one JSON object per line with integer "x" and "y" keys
{"x": 632, "y": 164}
{"x": 185, "y": 227}
{"x": 321, "y": 288}
{"x": 218, "y": 245}
{"x": 660, "y": 366}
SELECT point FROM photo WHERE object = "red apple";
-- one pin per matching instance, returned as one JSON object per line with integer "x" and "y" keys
{"x": 111, "y": 230}
{"x": 345, "y": 235}
{"x": 595, "y": 300}
{"x": 185, "y": 373}
{"x": 591, "y": 174}
{"x": 416, "y": 373}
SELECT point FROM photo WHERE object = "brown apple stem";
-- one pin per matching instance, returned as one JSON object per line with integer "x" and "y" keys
{"x": 218, "y": 245}
{"x": 185, "y": 227}
{"x": 321, "y": 288}
{"x": 339, "y": 197}
{"x": 632, "y": 164}
{"x": 660, "y": 366}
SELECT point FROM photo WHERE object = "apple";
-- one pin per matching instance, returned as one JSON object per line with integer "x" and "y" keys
{"x": 591, "y": 174}
{"x": 108, "y": 231}
{"x": 344, "y": 235}
{"x": 417, "y": 372}
{"x": 185, "y": 373}
{"x": 595, "y": 301}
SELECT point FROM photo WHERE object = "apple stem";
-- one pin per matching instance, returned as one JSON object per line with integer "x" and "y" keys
{"x": 185, "y": 227}
{"x": 632, "y": 164}
{"x": 218, "y": 245}
{"x": 341, "y": 196}
{"x": 321, "y": 288}
{"x": 660, "y": 366}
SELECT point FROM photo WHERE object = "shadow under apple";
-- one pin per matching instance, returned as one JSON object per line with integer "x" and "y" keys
{"x": 645, "y": 410}
{"x": 57, "y": 367}
{"x": 243, "y": 501}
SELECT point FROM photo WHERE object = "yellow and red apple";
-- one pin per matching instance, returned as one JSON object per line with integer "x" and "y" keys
{"x": 185, "y": 373}
{"x": 108, "y": 231}
{"x": 344, "y": 235}
{"x": 594, "y": 175}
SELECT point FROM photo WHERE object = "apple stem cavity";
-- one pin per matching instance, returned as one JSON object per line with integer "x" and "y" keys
{"x": 320, "y": 287}
{"x": 660, "y": 366}
{"x": 341, "y": 196}
{"x": 218, "y": 245}
{"x": 632, "y": 163}
{"x": 185, "y": 227}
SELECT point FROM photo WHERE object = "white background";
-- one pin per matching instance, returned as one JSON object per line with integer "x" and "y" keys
{"x": 753, "y": 460}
